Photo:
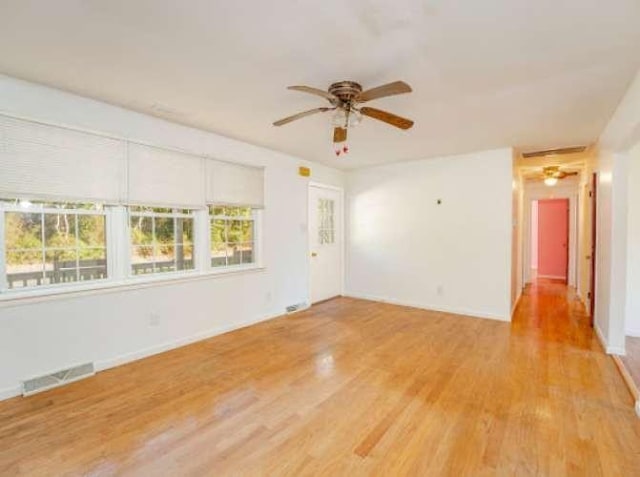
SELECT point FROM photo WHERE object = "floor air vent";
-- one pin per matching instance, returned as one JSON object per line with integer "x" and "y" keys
{"x": 296, "y": 307}
{"x": 59, "y": 378}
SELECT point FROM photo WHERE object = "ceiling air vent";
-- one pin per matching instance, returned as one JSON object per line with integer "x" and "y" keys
{"x": 555, "y": 152}
{"x": 59, "y": 378}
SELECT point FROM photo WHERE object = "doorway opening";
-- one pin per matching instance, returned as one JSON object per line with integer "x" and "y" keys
{"x": 550, "y": 239}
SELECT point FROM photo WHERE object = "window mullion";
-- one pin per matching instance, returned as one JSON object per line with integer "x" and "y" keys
{"x": 202, "y": 240}
{"x": 44, "y": 255}
{"x": 77, "y": 247}
{"x": 154, "y": 243}
{"x": 257, "y": 236}
{"x": 117, "y": 243}
{"x": 3, "y": 254}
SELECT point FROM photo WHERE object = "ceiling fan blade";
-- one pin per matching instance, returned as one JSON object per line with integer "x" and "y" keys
{"x": 316, "y": 91}
{"x": 390, "y": 89}
{"x": 386, "y": 117}
{"x": 339, "y": 135}
{"x": 300, "y": 115}
{"x": 563, "y": 174}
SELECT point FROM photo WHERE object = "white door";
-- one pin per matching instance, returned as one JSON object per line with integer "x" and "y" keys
{"x": 325, "y": 242}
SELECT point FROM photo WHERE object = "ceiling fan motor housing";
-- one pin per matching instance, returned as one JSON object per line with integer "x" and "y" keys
{"x": 346, "y": 91}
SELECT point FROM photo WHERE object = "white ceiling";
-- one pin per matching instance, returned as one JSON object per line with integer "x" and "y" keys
{"x": 535, "y": 74}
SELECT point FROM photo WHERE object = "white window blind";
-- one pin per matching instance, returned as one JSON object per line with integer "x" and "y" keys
{"x": 53, "y": 163}
{"x": 160, "y": 177}
{"x": 234, "y": 184}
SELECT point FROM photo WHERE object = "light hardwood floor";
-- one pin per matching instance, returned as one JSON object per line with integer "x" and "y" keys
{"x": 350, "y": 387}
{"x": 632, "y": 359}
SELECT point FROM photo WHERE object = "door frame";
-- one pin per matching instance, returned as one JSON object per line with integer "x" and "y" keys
{"x": 559, "y": 192}
{"x": 593, "y": 194}
{"x": 568, "y": 234}
{"x": 342, "y": 235}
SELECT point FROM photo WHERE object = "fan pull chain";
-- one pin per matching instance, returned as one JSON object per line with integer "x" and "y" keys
{"x": 341, "y": 150}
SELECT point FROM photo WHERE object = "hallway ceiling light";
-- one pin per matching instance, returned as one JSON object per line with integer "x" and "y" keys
{"x": 552, "y": 174}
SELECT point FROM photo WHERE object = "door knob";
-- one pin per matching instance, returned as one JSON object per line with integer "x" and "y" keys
{"x": 314, "y": 254}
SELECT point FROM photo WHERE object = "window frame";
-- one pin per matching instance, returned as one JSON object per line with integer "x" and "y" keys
{"x": 255, "y": 217}
{"x": 153, "y": 215}
{"x": 43, "y": 209}
{"x": 118, "y": 258}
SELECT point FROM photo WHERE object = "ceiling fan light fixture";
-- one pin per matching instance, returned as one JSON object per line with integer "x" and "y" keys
{"x": 342, "y": 119}
{"x": 550, "y": 181}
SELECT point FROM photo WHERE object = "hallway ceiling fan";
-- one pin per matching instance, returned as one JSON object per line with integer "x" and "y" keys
{"x": 345, "y": 98}
{"x": 552, "y": 174}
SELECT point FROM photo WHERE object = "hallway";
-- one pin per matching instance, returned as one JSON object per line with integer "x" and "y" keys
{"x": 349, "y": 387}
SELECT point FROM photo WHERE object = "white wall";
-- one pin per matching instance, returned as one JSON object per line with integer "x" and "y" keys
{"x": 403, "y": 247}
{"x": 517, "y": 234}
{"x": 621, "y": 133}
{"x": 110, "y": 327}
{"x": 632, "y": 322}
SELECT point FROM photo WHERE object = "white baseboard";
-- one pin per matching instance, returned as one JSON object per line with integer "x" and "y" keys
{"x": 600, "y": 336}
{"x": 101, "y": 365}
{"x": 620, "y": 351}
{"x": 617, "y": 350}
{"x": 633, "y": 332}
{"x": 161, "y": 348}
{"x": 8, "y": 393}
{"x": 423, "y": 306}
{"x": 553, "y": 277}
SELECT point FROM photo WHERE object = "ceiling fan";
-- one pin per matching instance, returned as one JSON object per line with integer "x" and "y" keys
{"x": 552, "y": 174}
{"x": 345, "y": 98}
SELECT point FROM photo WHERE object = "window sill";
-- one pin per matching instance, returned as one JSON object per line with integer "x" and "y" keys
{"x": 34, "y": 295}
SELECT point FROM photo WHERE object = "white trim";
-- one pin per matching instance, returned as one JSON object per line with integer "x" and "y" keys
{"x": 571, "y": 192}
{"x": 553, "y": 277}
{"x": 638, "y": 408}
{"x": 422, "y": 306}
{"x": 516, "y": 303}
{"x": 617, "y": 350}
{"x": 34, "y": 295}
{"x": 600, "y": 336}
{"x": 325, "y": 186}
{"x": 102, "y": 365}
{"x": 8, "y": 393}
{"x": 340, "y": 191}
{"x": 633, "y": 332}
{"x": 4, "y": 285}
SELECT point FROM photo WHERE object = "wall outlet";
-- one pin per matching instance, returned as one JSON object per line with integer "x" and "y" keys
{"x": 154, "y": 319}
{"x": 440, "y": 290}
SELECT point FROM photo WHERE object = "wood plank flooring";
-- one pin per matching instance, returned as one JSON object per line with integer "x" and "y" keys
{"x": 632, "y": 359}
{"x": 351, "y": 388}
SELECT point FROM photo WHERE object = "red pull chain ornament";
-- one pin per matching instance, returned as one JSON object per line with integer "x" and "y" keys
{"x": 341, "y": 150}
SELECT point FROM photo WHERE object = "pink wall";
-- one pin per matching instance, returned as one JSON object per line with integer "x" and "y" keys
{"x": 553, "y": 237}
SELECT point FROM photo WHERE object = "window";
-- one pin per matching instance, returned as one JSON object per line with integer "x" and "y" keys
{"x": 232, "y": 236}
{"x": 326, "y": 226}
{"x": 161, "y": 240}
{"x": 53, "y": 243}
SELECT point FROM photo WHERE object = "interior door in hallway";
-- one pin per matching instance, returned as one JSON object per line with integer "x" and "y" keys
{"x": 553, "y": 238}
{"x": 325, "y": 242}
